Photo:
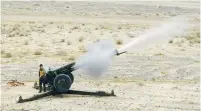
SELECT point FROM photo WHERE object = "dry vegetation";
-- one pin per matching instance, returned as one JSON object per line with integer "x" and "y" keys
{"x": 165, "y": 77}
{"x": 37, "y": 52}
{"x": 71, "y": 58}
{"x": 81, "y": 39}
{"x": 159, "y": 54}
{"x": 30, "y": 34}
{"x": 61, "y": 53}
{"x": 62, "y": 40}
{"x": 7, "y": 55}
{"x": 194, "y": 37}
{"x": 69, "y": 43}
{"x": 119, "y": 42}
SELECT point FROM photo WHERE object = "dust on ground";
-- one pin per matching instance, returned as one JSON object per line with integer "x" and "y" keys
{"x": 165, "y": 77}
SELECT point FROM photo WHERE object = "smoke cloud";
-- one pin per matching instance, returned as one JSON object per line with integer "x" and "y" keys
{"x": 99, "y": 56}
{"x": 97, "y": 59}
{"x": 158, "y": 35}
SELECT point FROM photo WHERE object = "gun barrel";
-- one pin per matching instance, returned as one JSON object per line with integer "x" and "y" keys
{"x": 117, "y": 53}
{"x": 65, "y": 69}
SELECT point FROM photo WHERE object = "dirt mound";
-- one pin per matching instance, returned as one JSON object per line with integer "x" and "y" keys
{"x": 14, "y": 83}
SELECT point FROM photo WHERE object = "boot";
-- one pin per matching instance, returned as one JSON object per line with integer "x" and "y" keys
{"x": 44, "y": 89}
{"x": 40, "y": 89}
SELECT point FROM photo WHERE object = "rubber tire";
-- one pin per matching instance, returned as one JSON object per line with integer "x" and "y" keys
{"x": 62, "y": 78}
{"x": 71, "y": 77}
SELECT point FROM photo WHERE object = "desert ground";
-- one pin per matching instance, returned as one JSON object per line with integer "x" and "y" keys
{"x": 162, "y": 78}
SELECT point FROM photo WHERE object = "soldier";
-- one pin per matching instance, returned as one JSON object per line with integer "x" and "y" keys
{"x": 42, "y": 74}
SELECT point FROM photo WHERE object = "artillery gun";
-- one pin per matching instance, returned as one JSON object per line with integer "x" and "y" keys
{"x": 60, "y": 80}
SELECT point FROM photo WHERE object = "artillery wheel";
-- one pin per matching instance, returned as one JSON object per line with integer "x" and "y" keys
{"x": 71, "y": 77}
{"x": 62, "y": 83}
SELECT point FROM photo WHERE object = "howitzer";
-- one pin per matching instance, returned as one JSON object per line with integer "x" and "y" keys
{"x": 62, "y": 78}
{"x": 60, "y": 81}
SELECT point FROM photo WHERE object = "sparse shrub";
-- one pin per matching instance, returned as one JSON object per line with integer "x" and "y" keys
{"x": 41, "y": 45}
{"x": 138, "y": 13}
{"x": 170, "y": 41}
{"x": 81, "y": 39}
{"x": 26, "y": 43}
{"x": 28, "y": 8}
{"x": 75, "y": 27}
{"x": 114, "y": 35}
{"x": 17, "y": 33}
{"x": 2, "y": 51}
{"x": 37, "y": 53}
{"x": 175, "y": 87}
{"x": 191, "y": 102}
{"x": 71, "y": 58}
{"x": 182, "y": 49}
{"x": 68, "y": 42}
{"x": 194, "y": 37}
{"x": 96, "y": 28}
{"x": 119, "y": 42}
{"x": 69, "y": 32}
{"x": 153, "y": 79}
{"x": 157, "y": 14}
{"x": 44, "y": 25}
{"x": 32, "y": 22}
{"x": 8, "y": 55}
{"x": 60, "y": 26}
{"x": 172, "y": 14}
{"x": 115, "y": 77}
{"x": 61, "y": 53}
{"x": 37, "y": 4}
{"x": 141, "y": 84}
{"x": 198, "y": 34}
{"x": 104, "y": 27}
{"x": 83, "y": 24}
{"x": 130, "y": 35}
{"x": 190, "y": 38}
{"x": 159, "y": 54}
{"x": 65, "y": 58}
{"x": 119, "y": 27}
{"x": 82, "y": 48}
{"x": 3, "y": 30}
{"x": 16, "y": 27}
{"x": 62, "y": 40}
{"x": 180, "y": 41}
{"x": 11, "y": 35}
{"x": 42, "y": 30}
{"x": 4, "y": 25}
{"x": 21, "y": 34}
{"x": 51, "y": 22}
{"x": 163, "y": 73}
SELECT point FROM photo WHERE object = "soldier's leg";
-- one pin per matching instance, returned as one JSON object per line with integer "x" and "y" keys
{"x": 40, "y": 85}
{"x": 44, "y": 88}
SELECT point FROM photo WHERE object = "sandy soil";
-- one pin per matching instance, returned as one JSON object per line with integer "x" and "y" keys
{"x": 165, "y": 77}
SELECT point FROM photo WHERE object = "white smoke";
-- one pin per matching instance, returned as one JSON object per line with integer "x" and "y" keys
{"x": 97, "y": 59}
{"x": 99, "y": 55}
{"x": 158, "y": 35}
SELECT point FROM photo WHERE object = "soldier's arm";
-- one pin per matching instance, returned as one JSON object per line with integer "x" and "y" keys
{"x": 44, "y": 71}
